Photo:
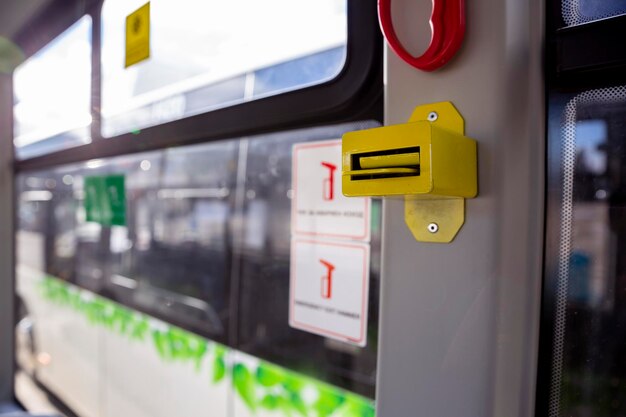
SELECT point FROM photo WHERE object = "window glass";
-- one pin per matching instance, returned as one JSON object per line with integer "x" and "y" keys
{"x": 207, "y": 54}
{"x": 173, "y": 256}
{"x": 52, "y": 95}
{"x": 170, "y": 257}
{"x": 46, "y": 235}
{"x": 576, "y": 12}
{"x": 264, "y": 286}
{"x": 199, "y": 222}
{"x": 586, "y": 241}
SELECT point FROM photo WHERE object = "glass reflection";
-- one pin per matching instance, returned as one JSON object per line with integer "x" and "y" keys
{"x": 205, "y": 247}
{"x": 210, "y": 54}
{"x": 52, "y": 95}
{"x": 593, "y": 379}
{"x": 263, "y": 325}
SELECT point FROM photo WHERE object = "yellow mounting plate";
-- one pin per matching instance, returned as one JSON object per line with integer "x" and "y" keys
{"x": 428, "y": 160}
{"x": 436, "y": 219}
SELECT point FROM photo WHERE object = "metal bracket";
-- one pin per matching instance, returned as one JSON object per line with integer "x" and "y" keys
{"x": 436, "y": 219}
{"x": 428, "y": 160}
{"x": 433, "y": 219}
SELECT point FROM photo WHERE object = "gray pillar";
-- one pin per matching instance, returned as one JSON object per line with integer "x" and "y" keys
{"x": 459, "y": 322}
{"x": 7, "y": 292}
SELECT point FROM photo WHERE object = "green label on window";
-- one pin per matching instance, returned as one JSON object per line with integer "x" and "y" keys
{"x": 105, "y": 200}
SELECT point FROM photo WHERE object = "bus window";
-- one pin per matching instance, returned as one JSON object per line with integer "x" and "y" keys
{"x": 178, "y": 228}
{"x": 210, "y": 54}
{"x": 185, "y": 280}
{"x": 35, "y": 199}
{"x": 46, "y": 237}
{"x": 585, "y": 270}
{"x": 52, "y": 95}
{"x": 263, "y": 324}
{"x": 576, "y": 12}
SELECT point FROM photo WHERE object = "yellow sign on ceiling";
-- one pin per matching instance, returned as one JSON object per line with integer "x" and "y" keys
{"x": 138, "y": 35}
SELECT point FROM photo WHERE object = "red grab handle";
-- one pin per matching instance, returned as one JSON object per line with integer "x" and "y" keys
{"x": 447, "y": 23}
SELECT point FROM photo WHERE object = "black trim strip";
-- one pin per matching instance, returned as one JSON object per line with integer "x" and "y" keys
{"x": 592, "y": 46}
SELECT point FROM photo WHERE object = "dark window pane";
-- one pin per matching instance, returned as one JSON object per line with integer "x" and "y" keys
{"x": 586, "y": 268}
{"x": 173, "y": 256}
{"x": 264, "y": 329}
{"x": 199, "y": 222}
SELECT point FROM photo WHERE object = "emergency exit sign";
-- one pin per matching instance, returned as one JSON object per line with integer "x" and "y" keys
{"x": 330, "y": 289}
{"x": 330, "y": 250}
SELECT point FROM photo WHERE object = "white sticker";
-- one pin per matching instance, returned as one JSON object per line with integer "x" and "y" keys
{"x": 319, "y": 207}
{"x": 330, "y": 288}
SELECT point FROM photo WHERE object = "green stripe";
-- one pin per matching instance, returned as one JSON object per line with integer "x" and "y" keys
{"x": 259, "y": 384}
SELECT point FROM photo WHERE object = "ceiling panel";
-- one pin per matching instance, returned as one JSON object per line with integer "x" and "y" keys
{"x": 15, "y": 13}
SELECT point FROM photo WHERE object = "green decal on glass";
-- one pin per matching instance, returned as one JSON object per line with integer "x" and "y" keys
{"x": 105, "y": 200}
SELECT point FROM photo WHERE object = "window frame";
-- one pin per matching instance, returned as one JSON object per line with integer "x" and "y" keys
{"x": 585, "y": 55}
{"x": 356, "y": 93}
{"x": 577, "y": 58}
